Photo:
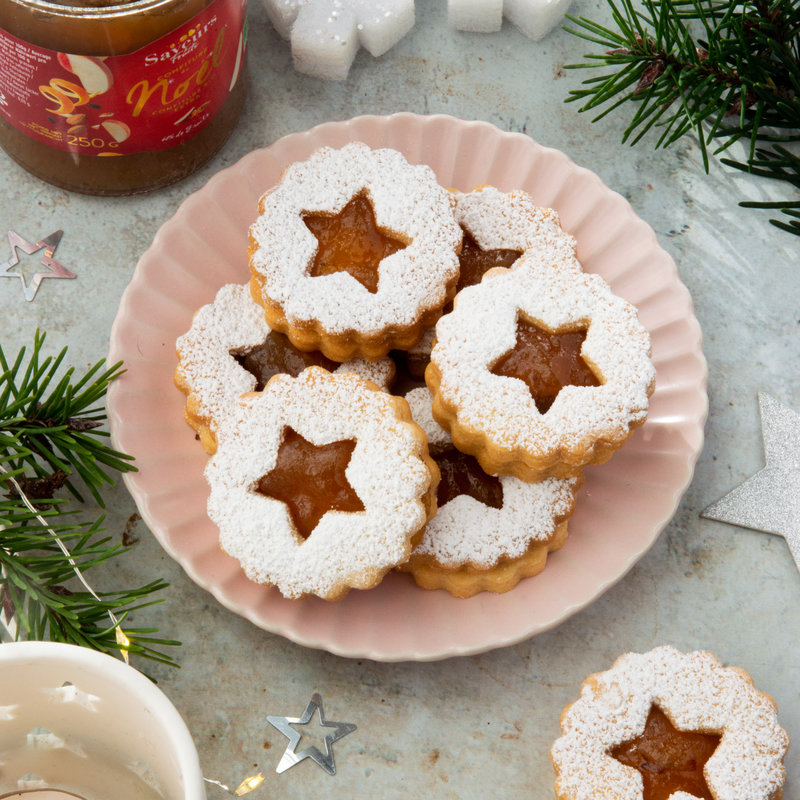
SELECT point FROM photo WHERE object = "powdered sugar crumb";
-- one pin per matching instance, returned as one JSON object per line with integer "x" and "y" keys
{"x": 466, "y": 531}
{"x": 407, "y": 201}
{"x": 386, "y": 470}
{"x": 697, "y": 693}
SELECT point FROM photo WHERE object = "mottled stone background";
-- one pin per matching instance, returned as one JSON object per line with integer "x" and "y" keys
{"x": 477, "y": 726}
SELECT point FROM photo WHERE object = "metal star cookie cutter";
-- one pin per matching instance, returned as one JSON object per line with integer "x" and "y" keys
{"x": 54, "y": 268}
{"x": 291, "y": 756}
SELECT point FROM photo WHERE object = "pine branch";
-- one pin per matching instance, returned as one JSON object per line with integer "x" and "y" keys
{"x": 57, "y": 428}
{"x": 726, "y": 70}
{"x": 49, "y": 432}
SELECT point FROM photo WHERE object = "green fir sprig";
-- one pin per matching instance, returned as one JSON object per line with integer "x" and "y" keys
{"x": 51, "y": 437}
{"x": 52, "y": 426}
{"x": 725, "y": 70}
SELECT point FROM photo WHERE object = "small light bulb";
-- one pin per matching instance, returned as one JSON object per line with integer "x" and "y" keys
{"x": 124, "y": 642}
{"x": 248, "y": 784}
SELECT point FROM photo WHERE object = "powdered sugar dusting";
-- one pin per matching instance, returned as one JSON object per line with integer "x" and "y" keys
{"x": 697, "y": 693}
{"x": 512, "y": 221}
{"x": 482, "y": 328}
{"x": 386, "y": 470}
{"x": 419, "y": 401}
{"x": 466, "y": 531}
{"x": 234, "y": 323}
{"x": 407, "y": 201}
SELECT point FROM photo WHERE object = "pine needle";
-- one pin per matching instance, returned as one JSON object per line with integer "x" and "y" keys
{"x": 50, "y": 438}
{"x": 725, "y": 70}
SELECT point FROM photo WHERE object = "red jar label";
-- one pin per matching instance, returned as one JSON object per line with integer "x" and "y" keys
{"x": 151, "y": 99}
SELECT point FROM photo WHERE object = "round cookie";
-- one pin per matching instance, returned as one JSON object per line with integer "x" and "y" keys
{"x": 212, "y": 368}
{"x": 512, "y": 221}
{"x": 712, "y": 709}
{"x": 335, "y": 312}
{"x": 594, "y": 338}
{"x": 262, "y": 491}
{"x": 499, "y": 227}
{"x": 492, "y": 534}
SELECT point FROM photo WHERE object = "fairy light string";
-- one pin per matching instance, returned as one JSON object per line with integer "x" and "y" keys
{"x": 245, "y": 787}
{"x": 122, "y": 640}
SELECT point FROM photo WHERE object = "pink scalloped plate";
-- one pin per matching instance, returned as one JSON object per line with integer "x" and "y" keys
{"x": 624, "y": 504}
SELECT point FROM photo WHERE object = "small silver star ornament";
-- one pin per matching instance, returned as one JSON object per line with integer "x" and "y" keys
{"x": 769, "y": 501}
{"x": 54, "y": 268}
{"x": 290, "y": 756}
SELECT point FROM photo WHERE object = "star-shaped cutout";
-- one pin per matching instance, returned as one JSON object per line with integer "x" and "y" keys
{"x": 669, "y": 760}
{"x": 461, "y": 474}
{"x": 351, "y": 241}
{"x": 770, "y": 500}
{"x": 475, "y": 262}
{"x": 311, "y": 480}
{"x": 54, "y": 268}
{"x": 290, "y": 756}
{"x": 277, "y": 355}
{"x": 546, "y": 362}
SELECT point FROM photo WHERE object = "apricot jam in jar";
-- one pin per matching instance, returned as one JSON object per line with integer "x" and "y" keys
{"x": 114, "y": 98}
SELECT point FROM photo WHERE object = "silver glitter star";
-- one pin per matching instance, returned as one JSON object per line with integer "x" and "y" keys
{"x": 770, "y": 500}
{"x": 54, "y": 269}
{"x": 290, "y": 757}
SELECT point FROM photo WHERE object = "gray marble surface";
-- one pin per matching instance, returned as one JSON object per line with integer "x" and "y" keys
{"x": 478, "y": 726}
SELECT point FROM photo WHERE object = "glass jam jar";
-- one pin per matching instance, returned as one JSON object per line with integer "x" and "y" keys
{"x": 114, "y": 98}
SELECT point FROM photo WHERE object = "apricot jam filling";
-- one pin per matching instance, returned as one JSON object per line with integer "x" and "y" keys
{"x": 668, "y": 760}
{"x": 351, "y": 241}
{"x": 475, "y": 262}
{"x": 546, "y": 362}
{"x": 278, "y": 355}
{"x": 461, "y": 474}
{"x": 311, "y": 480}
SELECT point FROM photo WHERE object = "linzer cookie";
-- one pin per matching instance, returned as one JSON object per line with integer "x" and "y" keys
{"x": 230, "y": 350}
{"x": 354, "y": 252}
{"x": 320, "y": 484}
{"x": 539, "y": 372}
{"x": 488, "y": 532}
{"x": 665, "y": 724}
{"x": 498, "y": 228}
{"x": 502, "y": 226}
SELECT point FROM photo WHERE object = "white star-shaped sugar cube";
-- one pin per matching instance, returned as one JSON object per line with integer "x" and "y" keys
{"x": 535, "y": 18}
{"x": 327, "y": 34}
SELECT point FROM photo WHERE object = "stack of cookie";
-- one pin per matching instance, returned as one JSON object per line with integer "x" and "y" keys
{"x": 414, "y": 378}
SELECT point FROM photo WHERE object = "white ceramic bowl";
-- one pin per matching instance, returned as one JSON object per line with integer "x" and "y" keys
{"x": 83, "y": 722}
